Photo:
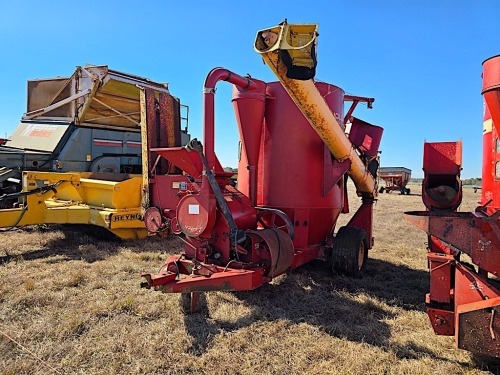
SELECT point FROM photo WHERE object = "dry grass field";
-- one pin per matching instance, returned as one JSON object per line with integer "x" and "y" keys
{"x": 70, "y": 304}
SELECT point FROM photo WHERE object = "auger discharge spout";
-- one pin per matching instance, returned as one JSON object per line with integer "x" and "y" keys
{"x": 290, "y": 51}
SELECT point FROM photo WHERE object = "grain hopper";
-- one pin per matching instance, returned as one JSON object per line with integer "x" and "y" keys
{"x": 395, "y": 178}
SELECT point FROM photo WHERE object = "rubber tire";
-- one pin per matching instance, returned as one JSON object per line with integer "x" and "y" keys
{"x": 408, "y": 191}
{"x": 381, "y": 190}
{"x": 345, "y": 252}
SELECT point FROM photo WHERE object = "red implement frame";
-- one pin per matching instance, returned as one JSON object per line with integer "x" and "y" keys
{"x": 464, "y": 299}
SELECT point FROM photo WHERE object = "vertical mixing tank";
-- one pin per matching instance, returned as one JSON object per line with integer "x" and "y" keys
{"x": 491, "y": 142}
{"x": 293, "y": 163}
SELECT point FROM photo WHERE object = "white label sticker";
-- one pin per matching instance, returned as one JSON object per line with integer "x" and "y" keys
{"x": 194, "y": 209}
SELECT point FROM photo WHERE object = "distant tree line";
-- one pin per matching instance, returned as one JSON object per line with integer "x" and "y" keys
{"x": 476, "y": 181}
{"x": 472, "y": 181}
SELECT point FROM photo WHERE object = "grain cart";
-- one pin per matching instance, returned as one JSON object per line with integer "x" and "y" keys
{"x": 464, "y": 247}
{"x": 292, "y": 175}
{"x": 395, "y": 179}
{"x": 88, "y": 122}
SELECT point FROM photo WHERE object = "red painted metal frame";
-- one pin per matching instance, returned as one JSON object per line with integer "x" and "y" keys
{"x": 464, "y": 299}
{"x": 456, "y": 288}
{"x": 203, "y": 277}
{"x": 363, "y": 218}
{"x": 216, "y": 75}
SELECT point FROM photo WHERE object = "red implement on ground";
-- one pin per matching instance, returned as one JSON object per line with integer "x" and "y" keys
{"x": 464, "y": 297}
{"x": 291, "y": 181}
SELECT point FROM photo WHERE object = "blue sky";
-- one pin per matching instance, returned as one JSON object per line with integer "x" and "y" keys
{"x": 421, "y": 60}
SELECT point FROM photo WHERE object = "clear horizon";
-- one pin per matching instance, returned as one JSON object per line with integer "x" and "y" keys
{"x": 421, "y": 61}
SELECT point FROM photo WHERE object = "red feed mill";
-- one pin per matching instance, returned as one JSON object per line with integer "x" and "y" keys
{"x": 294, "y": 161}
{"x": 464, "y": 298}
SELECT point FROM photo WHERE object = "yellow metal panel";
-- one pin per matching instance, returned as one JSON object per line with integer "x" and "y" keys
{"x": 297, "y": 39}
{"x": 111, "y": 194}
{"x": 12, "y": 217}
{"x": 487, "y": 126}
{"x": 130, "y": 234}
{"x": 74, "y": 200}
{"x": 145, "y": 154}
{"x": 67, "y": 215}
{"x": 127, "y": 194}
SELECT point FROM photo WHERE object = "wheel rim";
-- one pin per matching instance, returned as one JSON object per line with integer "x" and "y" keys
{"x": 361, "y": 255}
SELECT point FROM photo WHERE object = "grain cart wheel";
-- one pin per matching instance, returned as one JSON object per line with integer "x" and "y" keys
{"x": 350, "y": 251}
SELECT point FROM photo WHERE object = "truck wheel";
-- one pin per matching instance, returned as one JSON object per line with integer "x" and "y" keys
{"x": 381, "y": 190}
{"x": 350, "y": 252}
{"x": 408, "y": 191}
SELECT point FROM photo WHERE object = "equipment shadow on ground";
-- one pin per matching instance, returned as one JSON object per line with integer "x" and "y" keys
{"x": 83, "y": 242}
{"x": 356, "y": 310}
{"x": 69, "y": 246}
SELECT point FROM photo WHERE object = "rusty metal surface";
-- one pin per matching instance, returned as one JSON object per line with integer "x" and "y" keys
{"x": 441, "y": 267}
{"x": 479, "y": 329}
{"x": 441, "y": 194}
{"x": 280, "y": 247}
{"x": 166, "y": 128}
{"x": 471, "y": 232}
{"x": 442, "y": 157}
{"x": 441, "y": 187}
{"x": 170, "y": 118}
{"x": 151, "y": 123}
{"x": 442, "y": 321}
{"x": 144, "y": 153}
{"x": 152, "y": 219}
{"x": 111, "y": 98}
